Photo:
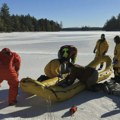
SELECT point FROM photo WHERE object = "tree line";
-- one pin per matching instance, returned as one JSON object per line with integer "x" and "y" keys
{"x": 113, "y": 24}
{"x": 20, "y": 23}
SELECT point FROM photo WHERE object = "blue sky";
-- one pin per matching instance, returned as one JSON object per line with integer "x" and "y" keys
{"x": 72, "y": 13}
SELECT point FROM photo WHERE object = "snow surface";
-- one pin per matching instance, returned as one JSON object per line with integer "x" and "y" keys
{"x": 36, "y": 50}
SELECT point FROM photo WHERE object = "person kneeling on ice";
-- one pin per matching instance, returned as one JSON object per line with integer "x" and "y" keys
{"x": 9, "y": 70}
{"x": 57, "y": 67}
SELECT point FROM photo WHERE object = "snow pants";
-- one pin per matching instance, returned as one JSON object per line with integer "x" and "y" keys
{"x": 12, "y": 79}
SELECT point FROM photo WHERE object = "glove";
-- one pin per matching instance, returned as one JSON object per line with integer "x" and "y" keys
{"x": 115, "y": 61}
{"x": 60, "y": 76}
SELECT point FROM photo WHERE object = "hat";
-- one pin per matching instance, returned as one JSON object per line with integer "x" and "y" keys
{"x": 117, "y": 39}
{"x": 6, "y": 51}
{"x": 102, "y": 35}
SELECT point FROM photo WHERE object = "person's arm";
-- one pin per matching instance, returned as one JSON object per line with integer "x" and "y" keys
{"x": 17, "y": 62}
{"x": 94, "y": 51}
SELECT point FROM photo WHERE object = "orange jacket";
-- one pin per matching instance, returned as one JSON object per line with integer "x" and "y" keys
{"x": 9, "y": 63}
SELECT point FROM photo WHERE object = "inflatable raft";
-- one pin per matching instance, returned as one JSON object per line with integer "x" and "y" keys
{"x": 49, "y": 89}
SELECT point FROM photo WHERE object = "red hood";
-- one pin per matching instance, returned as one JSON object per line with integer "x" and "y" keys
{"x": 5, "y": 50}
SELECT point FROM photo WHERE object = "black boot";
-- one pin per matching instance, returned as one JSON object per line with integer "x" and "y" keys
{"x": 117, "y": 79}
{"x": 96, "y": 87}
{"x": 107, "y": 87}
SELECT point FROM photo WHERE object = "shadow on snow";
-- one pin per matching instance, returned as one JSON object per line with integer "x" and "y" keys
{"x": 35, "y": 106}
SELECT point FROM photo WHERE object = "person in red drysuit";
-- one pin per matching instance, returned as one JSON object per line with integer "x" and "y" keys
{"x": 9, "y": 71}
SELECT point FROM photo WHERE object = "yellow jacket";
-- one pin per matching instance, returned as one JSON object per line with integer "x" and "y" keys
{"x": 52, "y": 68}
{"x": 101, "y": 48}
{"x": 117, "y": 55}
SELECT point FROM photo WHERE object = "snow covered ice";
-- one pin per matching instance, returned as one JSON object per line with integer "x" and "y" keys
{"x": 36, "y": 50}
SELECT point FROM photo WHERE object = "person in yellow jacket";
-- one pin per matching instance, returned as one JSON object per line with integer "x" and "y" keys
{"x": 116, "y": 59}
{"x": 55, "y": 68}
{"x": 101, "y": 48}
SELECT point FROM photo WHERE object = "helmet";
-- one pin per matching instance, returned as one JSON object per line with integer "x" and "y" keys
{"x": 117, "y": 39}
{"x": 103, "y": 36}
{"x": 63, "y": 53}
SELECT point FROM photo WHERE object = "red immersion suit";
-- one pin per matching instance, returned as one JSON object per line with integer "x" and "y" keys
{"x": 9, "y": 68}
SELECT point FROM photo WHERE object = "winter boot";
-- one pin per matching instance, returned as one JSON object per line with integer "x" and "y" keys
{"x": 117, "y": 79}
{"x": 96, "y": 87}
{"x": 13, "y": 103}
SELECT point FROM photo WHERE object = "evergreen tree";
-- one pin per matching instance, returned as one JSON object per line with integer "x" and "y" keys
{"x": 113, "y": 24}
{"x": 21, "y": 23}
{"x": 5, "y": 16}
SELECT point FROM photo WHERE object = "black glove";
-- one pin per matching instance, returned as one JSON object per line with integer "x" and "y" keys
{"x": 60, "y": 76}
{"x": 115, "y": 61}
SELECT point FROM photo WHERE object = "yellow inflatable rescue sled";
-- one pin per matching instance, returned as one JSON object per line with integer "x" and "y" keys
{"x": 49, "y": 89}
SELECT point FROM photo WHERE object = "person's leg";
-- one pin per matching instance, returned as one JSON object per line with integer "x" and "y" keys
{"x": 92, "y": 79}
{"x": 13, "y": 90}
{"x": 92, "y": 84}
{"x": 116, "y": 77}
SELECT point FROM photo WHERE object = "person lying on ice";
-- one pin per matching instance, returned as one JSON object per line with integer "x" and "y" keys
{"x": 86, "y": 75}
{"x": 9, "y": 71}
{"x": 101, "y": 48}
